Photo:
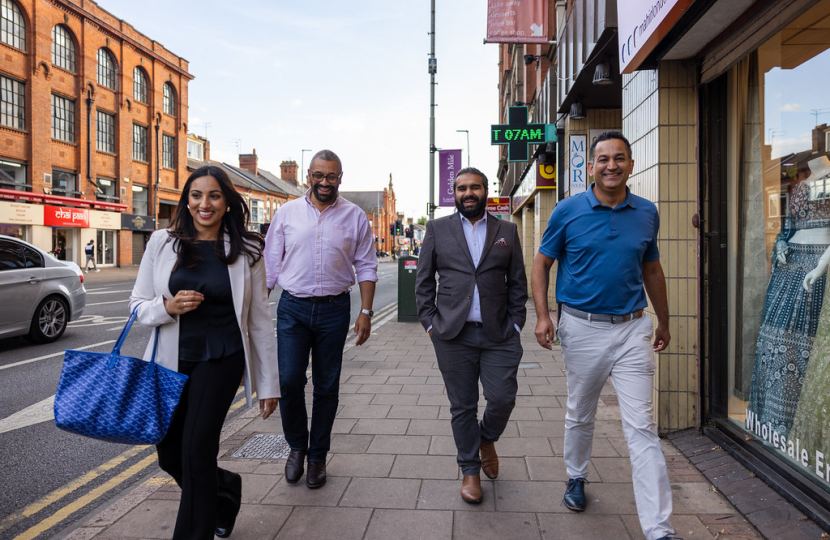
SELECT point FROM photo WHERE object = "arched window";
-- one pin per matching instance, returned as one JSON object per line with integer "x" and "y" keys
{"x": 169, "y": 100}
{"x": 12, "y": 25}
{"x": 106, "y": 68}
{"x": 139, "y": 85}
{"x": 63, "y": 48}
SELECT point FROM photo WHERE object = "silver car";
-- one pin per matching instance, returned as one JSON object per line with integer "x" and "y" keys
{"x": 39, "y": 294}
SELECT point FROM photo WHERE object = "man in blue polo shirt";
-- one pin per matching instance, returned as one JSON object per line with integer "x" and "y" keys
{"x": 605, "y": 240}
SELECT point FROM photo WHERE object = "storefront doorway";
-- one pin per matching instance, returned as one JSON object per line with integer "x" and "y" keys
{"x": 105, "y": 248}
{"x": 63, "y": 243}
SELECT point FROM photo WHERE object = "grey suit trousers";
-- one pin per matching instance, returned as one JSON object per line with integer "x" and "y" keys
{"x": 463, "y": 361}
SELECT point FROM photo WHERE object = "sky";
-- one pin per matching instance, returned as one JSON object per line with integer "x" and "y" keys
{"x": 280, "y": 77}
{"x": 790, "y": 115}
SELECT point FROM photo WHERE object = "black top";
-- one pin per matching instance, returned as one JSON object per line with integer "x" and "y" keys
{"x": 210, "y": 331}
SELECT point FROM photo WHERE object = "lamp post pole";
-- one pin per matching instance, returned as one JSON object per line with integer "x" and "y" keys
{"x": 433, "y": 68}
{"x": 302, "y": 164}
{"x": 467, "y": 131}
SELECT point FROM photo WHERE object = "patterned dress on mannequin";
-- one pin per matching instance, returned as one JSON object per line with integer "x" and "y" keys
{"x": 790, "y": 319}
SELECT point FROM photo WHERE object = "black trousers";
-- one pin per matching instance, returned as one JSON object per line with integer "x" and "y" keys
{"x": 189, "y": 451}
{"x": 463, "y": 361}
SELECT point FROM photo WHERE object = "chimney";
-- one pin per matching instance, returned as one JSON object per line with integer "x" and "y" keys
{"x": 206, "y": 150}
{"x": 288, "y": 171}
{"x": 248, "y": 162}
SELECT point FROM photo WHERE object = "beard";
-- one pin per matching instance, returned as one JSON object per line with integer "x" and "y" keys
{"x": 475, "y": 211}
{"x": 324, "y": 197}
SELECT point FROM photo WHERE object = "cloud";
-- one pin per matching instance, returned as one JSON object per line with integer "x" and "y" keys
{"x": 296, "y": 102}
{"x": 791, "y": 107}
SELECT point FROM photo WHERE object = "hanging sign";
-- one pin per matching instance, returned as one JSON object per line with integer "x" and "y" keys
{"x": 449, "y": 163}
{"x": 517, "y": 21}
{"x": 578, "y": 159}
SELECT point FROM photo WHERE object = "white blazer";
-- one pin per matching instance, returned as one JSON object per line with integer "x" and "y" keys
{"x": 250, "y": 303}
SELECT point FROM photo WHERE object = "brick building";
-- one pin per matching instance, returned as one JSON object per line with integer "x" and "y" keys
{"x": 380, "y": 211}
{"x": 93, "y": 125}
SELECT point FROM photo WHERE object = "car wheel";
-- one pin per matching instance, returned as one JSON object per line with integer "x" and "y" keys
{"x": 49, "y": 321}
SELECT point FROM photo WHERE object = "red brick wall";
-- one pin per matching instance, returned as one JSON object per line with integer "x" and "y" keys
{"x": 92, "y": 28}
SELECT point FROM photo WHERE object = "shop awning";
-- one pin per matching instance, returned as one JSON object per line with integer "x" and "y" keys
{"x": 43, "y": 198}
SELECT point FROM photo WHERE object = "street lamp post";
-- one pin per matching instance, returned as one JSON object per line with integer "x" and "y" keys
{"x": 468, "y": 143}
{"x": 302, "y": 162}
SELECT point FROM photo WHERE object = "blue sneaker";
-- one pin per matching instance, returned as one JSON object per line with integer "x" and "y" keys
{"x": 575, "y": 495}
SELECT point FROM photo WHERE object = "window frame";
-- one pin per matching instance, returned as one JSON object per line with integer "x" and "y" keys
{"x": 169, "y": 104}
{"x": 140, "y": 146}
{"x": 17, "y": 23}
{"x": 63, "y": 54}
{"x": 16, "y": 111}
{"x": 104, "y": 131}
{"x": 107, "y": 69}
{"x": 168, "y": 151}
{"x": 64, "y": 124}
{"x": 74, "y": 191}
{"x": 140, "y": 86}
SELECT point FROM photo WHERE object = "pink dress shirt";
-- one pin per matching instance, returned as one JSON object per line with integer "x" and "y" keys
{"x": 314, "y": 253}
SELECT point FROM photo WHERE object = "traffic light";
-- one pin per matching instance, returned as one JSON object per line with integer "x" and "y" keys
{"x": 376, "y": 239}
{"x": 398, "y": 228}
{"x": 392, "y": 229}
{"x": 408, "y": 232}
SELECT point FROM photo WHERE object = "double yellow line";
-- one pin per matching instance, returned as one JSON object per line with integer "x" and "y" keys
{"x": 71, "y": 508}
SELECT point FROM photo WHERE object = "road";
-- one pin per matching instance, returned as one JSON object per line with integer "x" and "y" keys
{"x": 49, "y": 478}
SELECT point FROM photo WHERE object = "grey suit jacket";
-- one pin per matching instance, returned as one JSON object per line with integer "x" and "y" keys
{"x": 500, "y": 276}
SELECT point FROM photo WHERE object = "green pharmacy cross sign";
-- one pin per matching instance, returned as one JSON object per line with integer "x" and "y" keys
{"x": 517, "y": 134}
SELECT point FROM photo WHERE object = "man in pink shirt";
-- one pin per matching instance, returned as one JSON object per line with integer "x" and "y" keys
{"x": 315, "y": 248}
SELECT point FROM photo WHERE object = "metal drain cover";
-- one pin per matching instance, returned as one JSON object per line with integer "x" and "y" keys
{"x": 530, "y": 365}
{"x": 264, "y": 446}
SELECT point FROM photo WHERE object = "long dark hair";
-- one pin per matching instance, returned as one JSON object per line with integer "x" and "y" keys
{"x": 234, "y": 224}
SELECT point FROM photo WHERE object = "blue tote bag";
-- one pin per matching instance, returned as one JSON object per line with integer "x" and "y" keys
{"x": 117, "y": 398}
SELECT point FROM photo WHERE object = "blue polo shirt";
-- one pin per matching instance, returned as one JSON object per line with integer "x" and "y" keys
{"x": 601, "y": 251}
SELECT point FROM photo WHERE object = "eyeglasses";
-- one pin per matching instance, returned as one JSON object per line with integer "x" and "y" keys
{"x": 331, "y": 177}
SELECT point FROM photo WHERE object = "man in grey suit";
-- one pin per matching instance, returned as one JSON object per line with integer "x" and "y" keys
{"x": 474, "y": 313}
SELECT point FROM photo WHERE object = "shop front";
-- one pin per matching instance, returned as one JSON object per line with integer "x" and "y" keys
{"x": 140, "y": 228}
{"x": 766, "y": 207}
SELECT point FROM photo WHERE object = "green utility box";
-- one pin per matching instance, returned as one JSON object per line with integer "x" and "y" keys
{"x": 407, "y": 270}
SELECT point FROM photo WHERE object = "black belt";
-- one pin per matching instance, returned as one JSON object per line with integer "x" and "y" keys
{"x": 475, "y": 323}
{"x": 326, "y": 298}
{"x": 602, "y": 317}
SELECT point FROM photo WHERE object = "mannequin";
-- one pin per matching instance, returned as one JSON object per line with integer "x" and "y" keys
{"x": 811, "y": 425}
{"x": 794, "y": 298}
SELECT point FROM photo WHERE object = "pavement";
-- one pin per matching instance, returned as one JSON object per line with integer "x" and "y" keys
{"x": 392, "y": 470}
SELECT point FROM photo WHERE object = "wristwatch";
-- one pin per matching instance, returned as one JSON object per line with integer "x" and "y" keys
{"x": 367, "y": 312}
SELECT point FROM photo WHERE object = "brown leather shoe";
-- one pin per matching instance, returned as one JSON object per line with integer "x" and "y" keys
{"x": 471, "y": 489}
{"x": 489, "y": 460}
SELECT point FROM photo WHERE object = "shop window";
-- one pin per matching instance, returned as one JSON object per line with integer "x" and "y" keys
{"x": 779, "y": 310}
{"x": 105, "y": 135}
{"x": 139, "y": 85}
{"x": 168, "y": 152}
{"x": 106, "y": 69}
{"x": 63, "y": 119}
{"x": 139, "y": 142}
{"x": 12, "y": 103}
{"x": 12, "y": 25}
{"x": 140, "y": 200}
{"x": 13, "y": 176}
{"x": 107, "y": 190}
{"x": 105, "y": 247}
{"x": 63, "y": 48}
{"x": 64, "y": 183}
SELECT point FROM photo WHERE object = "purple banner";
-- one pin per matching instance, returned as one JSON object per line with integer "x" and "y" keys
{"x": 449, "y": 162}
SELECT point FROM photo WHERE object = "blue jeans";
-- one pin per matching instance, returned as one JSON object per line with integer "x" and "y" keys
{"x": 319, "y": 327}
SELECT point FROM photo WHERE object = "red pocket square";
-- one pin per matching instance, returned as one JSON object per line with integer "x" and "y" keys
{"x": 500, "y": 242}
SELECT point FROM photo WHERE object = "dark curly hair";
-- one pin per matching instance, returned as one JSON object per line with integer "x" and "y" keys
{"x": 234, "y": 224}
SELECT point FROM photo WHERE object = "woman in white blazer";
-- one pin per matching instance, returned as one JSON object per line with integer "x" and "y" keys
{"x": 201, "y": 283}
